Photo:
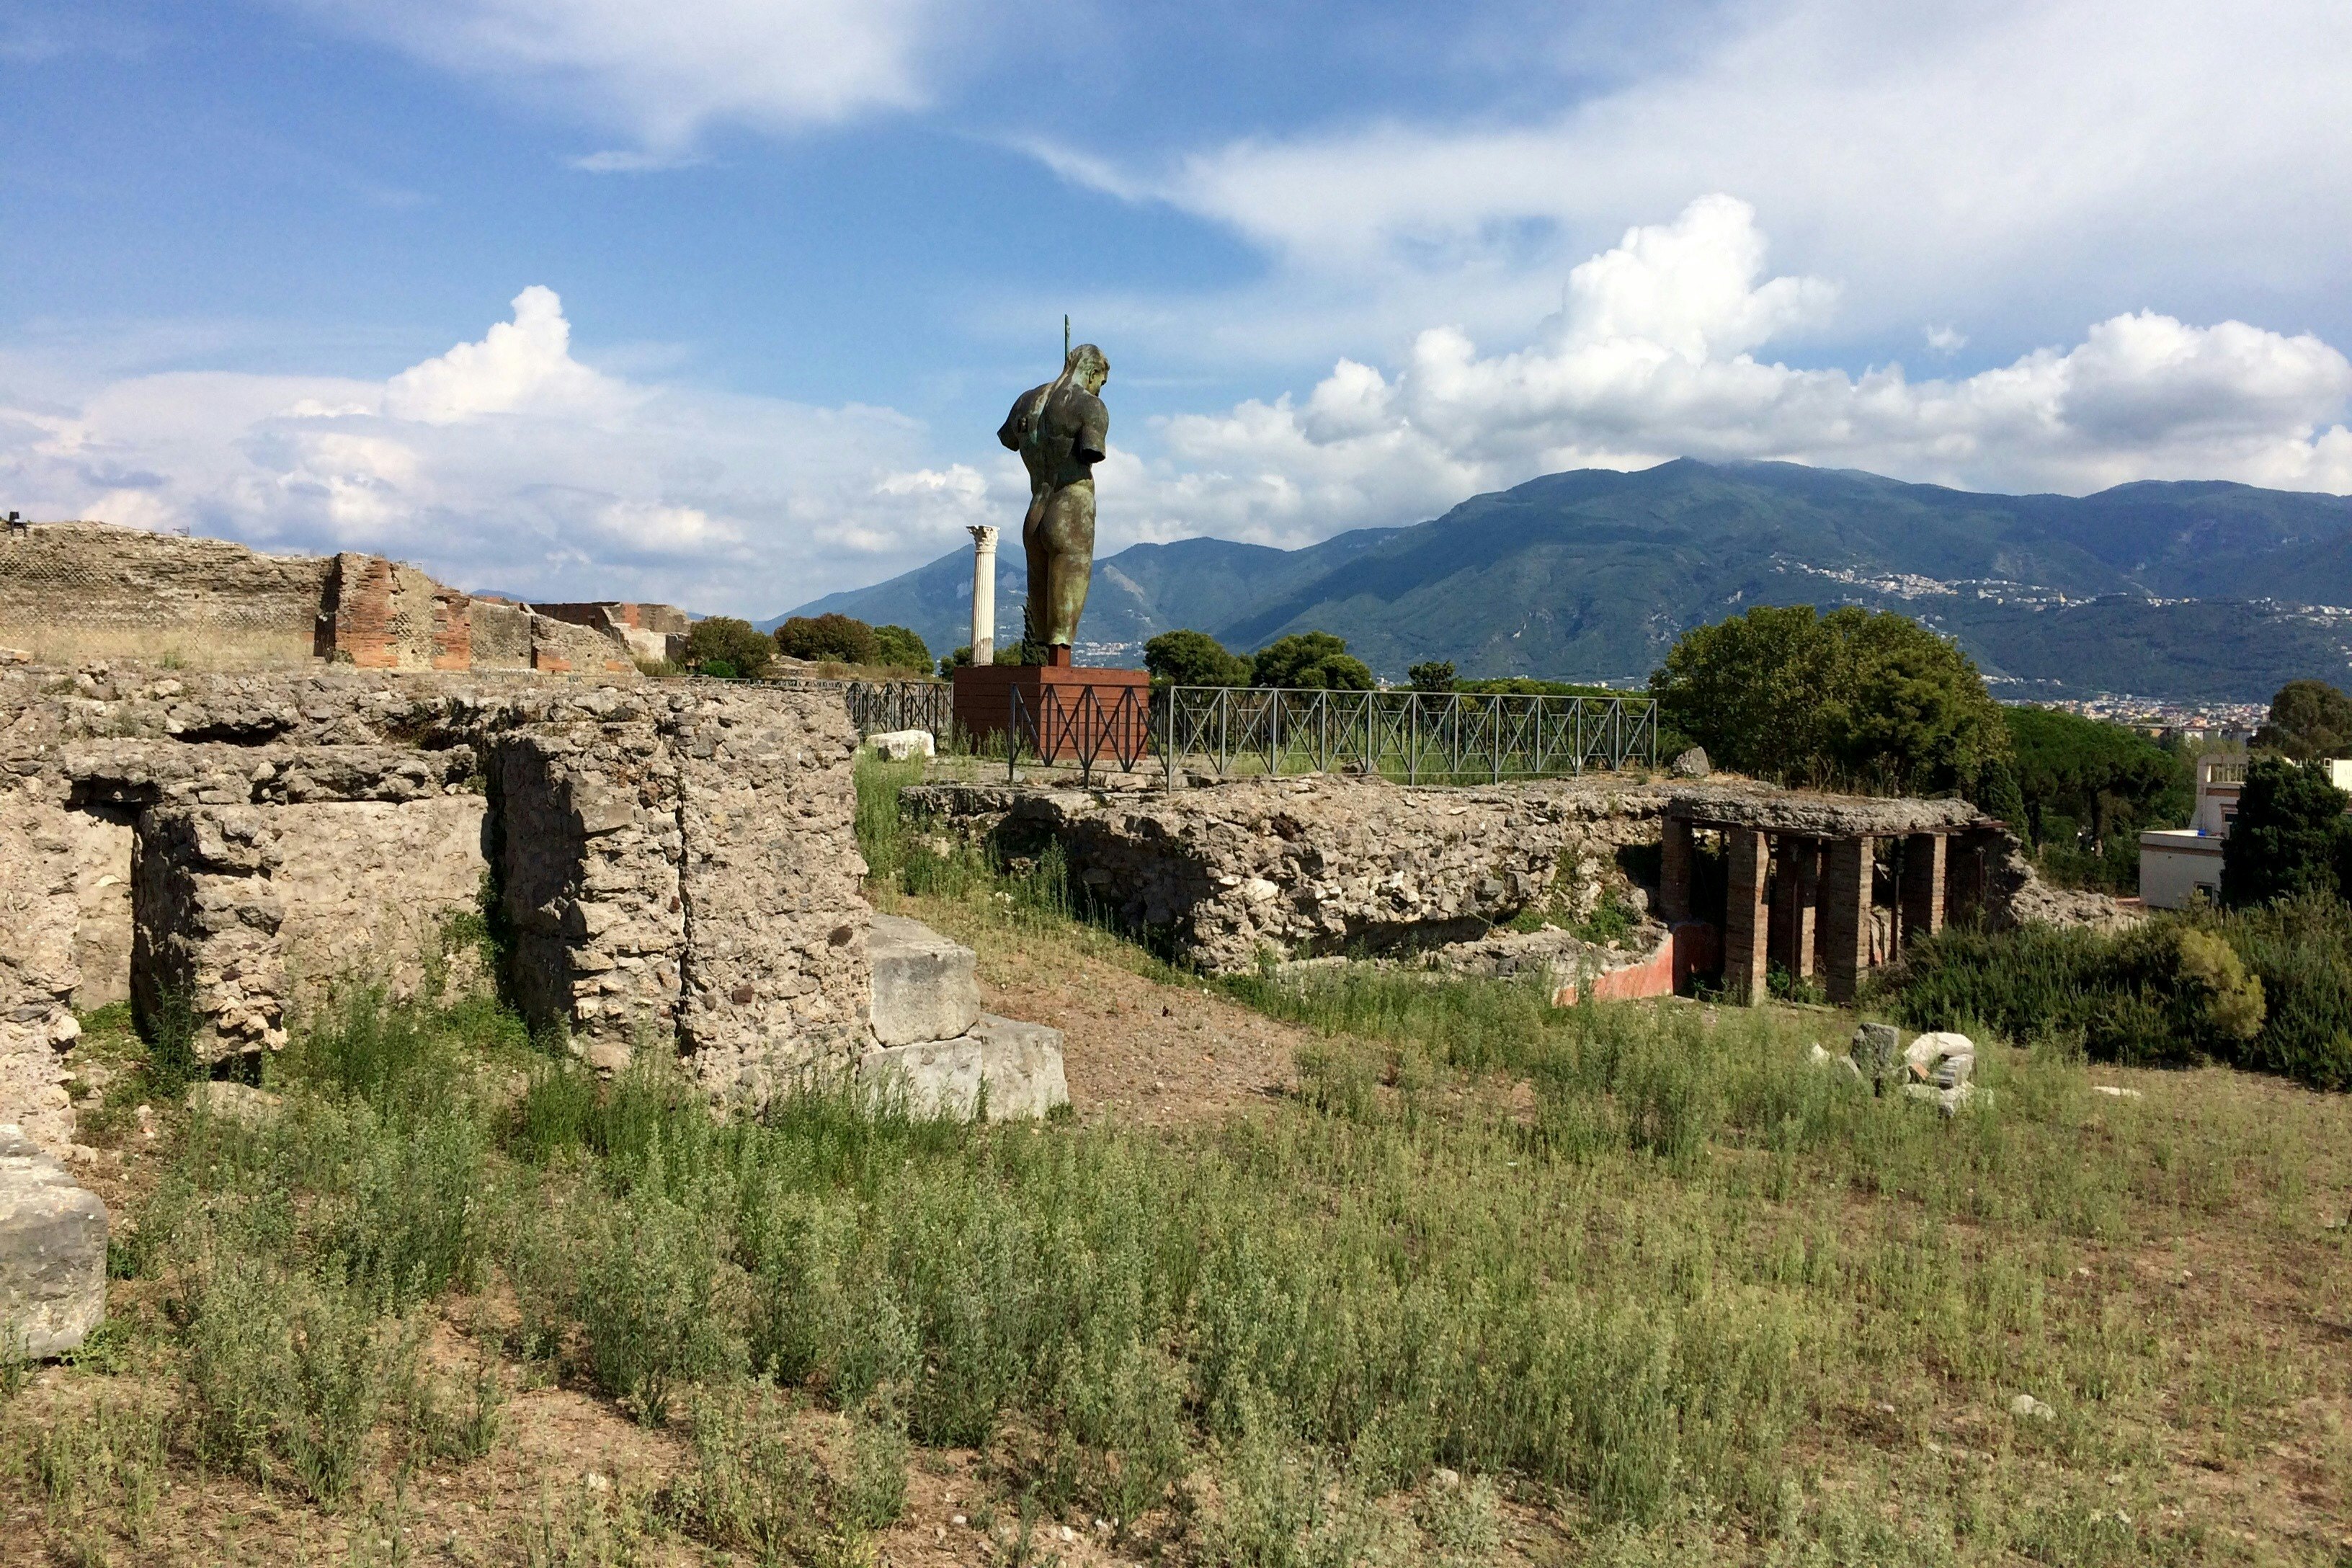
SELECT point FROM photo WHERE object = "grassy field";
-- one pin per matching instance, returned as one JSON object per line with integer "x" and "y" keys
{"x": 1500, "y": 1283}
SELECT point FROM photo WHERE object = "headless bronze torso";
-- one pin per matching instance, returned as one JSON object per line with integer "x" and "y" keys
{"x": 1061, "y": 430}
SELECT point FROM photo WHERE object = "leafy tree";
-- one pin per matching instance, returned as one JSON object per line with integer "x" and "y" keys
{"x": 1526, "y": 686}
{"x": 1853, "y": 697}
{"x": 901, "y": 646}
{"x": 2289, "y": 836}
{"x": 832, "y": 636}
{"x": 2308, "y": 720}
{"x": 1436, "y": 675}
{"x": 738, "y": 644}
{"x": 1193, "y": 658}
{"x": 1311, "y": 660}
{"x": 2103, "y": 776}
{"x": 961, "y": 658}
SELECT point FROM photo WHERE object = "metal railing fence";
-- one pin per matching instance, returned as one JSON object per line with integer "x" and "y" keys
{"x": 1418, "y": 736}
{"x": 1449, "y": 735}
{"x": 878, "y": 706}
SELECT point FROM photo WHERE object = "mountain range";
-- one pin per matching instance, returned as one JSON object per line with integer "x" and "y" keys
{"x": 2176, "y": 591}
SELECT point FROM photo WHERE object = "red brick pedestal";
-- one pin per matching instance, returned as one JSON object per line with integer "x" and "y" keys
{"x": 1063, "y": 715}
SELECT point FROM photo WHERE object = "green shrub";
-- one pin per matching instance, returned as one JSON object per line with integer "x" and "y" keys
{"x": 1431, "y": 675}
{"x": 2301, "y": 951}
{"x": 1311, "y": 660}
{"x": 2308, "y": 720}
{"x": 1193, "y": 658}
{"x": 839, "y": 638}
{"x": 902, "y": 648}
{"x": 2289, "y": 837}
{"x": 288, "y": 1375}
{"x": 654, "y": 1303}
{"x": 2268, "y": 989}
{"x": 1853, "y": 698}
{"x": 725, "y": 639}
{"x": 761, "y": 1482}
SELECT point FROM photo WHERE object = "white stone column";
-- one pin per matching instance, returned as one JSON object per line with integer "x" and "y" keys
{"x": 983, "y": 596}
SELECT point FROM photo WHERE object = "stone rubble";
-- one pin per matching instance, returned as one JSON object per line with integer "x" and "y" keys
{"x": 899, "y": 745}
{"x": 931, "y": 1043}
{"x": 52, "y": 1252}
{"x": 672, "y": 866}
{"x": 1319, "y": 865}
{"x": 1936, "y": 1068}
{"x": 1308, "y": 866}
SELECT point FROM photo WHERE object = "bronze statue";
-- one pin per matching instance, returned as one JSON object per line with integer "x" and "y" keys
{"x": 1060, "y": 429}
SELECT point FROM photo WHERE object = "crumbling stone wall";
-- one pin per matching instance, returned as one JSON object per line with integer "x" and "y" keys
{"x": 588, "y": 810}
{"x": 647, "y": 631}
{"x": 678, "y": 864}
{"x": 1325, "y": 865}
{"x": 38, "y": 970}
{"x": 688, "y": 868}
{"x": 776, "y": 971}
{"x": 1298, "y": 867}
{"x": 75, "y": 590}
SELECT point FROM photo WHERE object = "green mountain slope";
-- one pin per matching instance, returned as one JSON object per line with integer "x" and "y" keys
{"x": 1590, "y": 575}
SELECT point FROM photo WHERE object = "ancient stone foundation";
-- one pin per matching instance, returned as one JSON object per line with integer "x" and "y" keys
{"x": 674, "y": 866}
{"x": 1237, "y": 874}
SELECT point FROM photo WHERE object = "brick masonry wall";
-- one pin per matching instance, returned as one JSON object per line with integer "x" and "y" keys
{"x": 79, "y": 591}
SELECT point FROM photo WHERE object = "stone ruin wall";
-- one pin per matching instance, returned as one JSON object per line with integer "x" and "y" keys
{"x": 678, "y": 866}
{"x": 74, "y": 592}
{"x": 1321, "y": 866}
{"x": 649, "y": 631}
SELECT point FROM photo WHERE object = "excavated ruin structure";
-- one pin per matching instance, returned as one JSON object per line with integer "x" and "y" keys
{"x": 673, "y": 865}
{"x": 1236, "y": 874}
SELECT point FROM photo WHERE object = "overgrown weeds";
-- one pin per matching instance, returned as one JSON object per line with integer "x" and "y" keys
{"x": 1644, "y": 1270}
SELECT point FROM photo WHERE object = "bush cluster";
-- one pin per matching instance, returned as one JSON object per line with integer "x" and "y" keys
{"x": 836, "y": 638}
{"x": 2268, "y": 988}
{"x": 1316, "y": 661}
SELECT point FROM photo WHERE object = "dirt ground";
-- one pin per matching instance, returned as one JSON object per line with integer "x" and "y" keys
{"x": 1136, "y": 1050}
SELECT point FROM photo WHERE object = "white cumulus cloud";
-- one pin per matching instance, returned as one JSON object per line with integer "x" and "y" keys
{"x": 504, "y": 463}
{"x": 508, "y": 462}
{"x": 2019, "y": 159}
{"x": 1654, "y": 357}
{"x": 662, "y": 73}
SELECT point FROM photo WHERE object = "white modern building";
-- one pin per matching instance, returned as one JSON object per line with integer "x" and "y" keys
{"x": 2179, "y": 864}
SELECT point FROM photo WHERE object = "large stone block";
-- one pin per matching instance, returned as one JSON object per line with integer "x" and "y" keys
{"x": 52, "y": 1252}
{"x": 924, "y": 984}
{"x": 1020, "y": 1065}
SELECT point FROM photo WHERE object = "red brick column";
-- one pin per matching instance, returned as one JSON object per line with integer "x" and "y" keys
{"x": 1806, "y": 962}
{"x": 1796, "y": 887}
{"x": 453, "y": 630}
{"x": 1675, "y": 871}
{"x": 1846, "y": 916}
{"x": 1923, "y": 885}
{"x": 1744, "y": 929}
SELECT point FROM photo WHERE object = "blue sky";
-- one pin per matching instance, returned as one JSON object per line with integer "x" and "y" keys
{"x": 721, "y": 301}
